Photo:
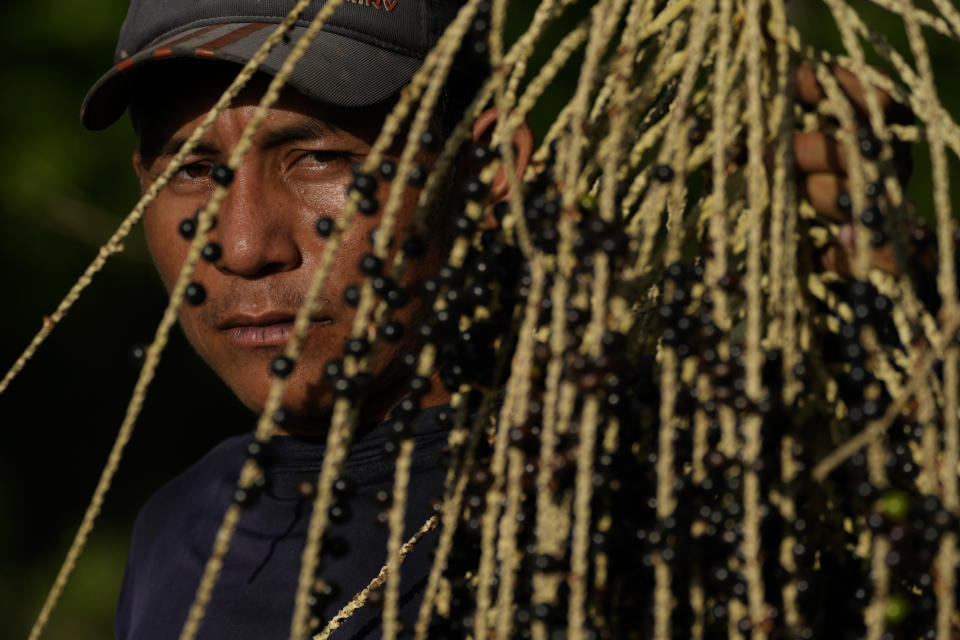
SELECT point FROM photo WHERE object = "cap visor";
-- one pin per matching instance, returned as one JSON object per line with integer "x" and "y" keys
{"x": 335, "y": 70}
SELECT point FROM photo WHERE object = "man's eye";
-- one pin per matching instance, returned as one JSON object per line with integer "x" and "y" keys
{"x": 326, "y": 157}
{"x": 194, "y": 170}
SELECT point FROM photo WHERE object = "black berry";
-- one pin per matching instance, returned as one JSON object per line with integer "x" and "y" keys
{"x": 325, "y": 227}
{"x": 211, "y": 252}
{"x": 195, "y": 293}
{"x": 222, "y": 174}
{"x": 281, "y": 366}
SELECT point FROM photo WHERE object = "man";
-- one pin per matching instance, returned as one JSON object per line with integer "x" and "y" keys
{"x": 263, "y": 252}
{"x": 262, "y": 255}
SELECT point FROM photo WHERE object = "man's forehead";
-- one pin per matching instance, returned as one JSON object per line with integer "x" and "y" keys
{"x": 163, "y": 109}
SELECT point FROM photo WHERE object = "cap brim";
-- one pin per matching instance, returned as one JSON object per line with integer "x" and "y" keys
{"x": 336, "y": 69}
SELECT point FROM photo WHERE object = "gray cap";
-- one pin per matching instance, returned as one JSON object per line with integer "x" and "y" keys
{"x": 365, "y": 53}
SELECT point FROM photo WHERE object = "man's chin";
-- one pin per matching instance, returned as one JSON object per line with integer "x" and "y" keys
{"x": 308, "y": 400}
{"x": 303, "y": 408}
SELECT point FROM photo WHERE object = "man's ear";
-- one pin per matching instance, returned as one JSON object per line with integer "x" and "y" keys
{"x": 138, "y": 167}
{"x": 522, "y": 145}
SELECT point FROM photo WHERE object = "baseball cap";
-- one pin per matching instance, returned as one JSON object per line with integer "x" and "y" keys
{"x": 367, "y": 51}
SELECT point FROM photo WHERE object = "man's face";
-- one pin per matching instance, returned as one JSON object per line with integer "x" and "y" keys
{"x": 297, "y": 171}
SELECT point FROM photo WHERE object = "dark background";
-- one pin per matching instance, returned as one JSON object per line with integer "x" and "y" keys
{"x": 62, "y": 193}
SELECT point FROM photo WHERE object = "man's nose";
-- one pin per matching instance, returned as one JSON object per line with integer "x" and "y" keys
{"x": 255, "y": 229}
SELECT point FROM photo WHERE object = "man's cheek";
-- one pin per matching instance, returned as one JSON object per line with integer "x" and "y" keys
{"x": 322, "y": 198}
{"x": 168, "y": 251}
{"x": 196, "y": 338}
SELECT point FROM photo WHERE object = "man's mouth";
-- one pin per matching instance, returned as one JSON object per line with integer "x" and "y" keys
{"x": 265, "y": 330}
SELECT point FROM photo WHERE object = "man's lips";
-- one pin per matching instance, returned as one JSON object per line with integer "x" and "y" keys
{"x": 265, "y": 330}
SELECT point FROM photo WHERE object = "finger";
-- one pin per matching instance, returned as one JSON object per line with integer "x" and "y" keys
{"x": 808, "y": 90}
{"x": 822, "y": 189}
{"x": 834, "y": 258}
{"x": 857, "y": 92}
{"x": 805, "y": 85}
{"x": 815, "y": 152}
{"x": 880, "y": 257}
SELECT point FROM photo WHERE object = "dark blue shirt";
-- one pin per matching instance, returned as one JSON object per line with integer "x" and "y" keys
{"x": 174, "y": 534}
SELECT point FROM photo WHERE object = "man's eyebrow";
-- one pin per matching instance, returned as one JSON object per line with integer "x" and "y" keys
{"x": 172, "y": 146}
{"x": 309, "y": 129}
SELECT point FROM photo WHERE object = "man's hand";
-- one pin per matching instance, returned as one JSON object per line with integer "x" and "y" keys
{"x": 821, "y": 165}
